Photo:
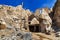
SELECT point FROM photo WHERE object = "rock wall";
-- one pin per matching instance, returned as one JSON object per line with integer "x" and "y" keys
{"x": 14, "y": 16}
{"x": 56, "y": 11}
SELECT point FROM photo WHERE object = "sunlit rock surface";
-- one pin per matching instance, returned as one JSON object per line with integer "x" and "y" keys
{"x": 15, "y": 22}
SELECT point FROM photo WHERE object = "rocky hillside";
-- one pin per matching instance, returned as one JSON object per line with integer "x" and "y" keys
{"x": 16, "y": 23}
{"x": 11, "y": 23}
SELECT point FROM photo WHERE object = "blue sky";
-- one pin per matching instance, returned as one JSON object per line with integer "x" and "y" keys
{"x": 30, "y": 4}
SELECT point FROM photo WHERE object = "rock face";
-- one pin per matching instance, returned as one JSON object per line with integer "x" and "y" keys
{"x": 16, "y": 21}
{"x": 34, "y": 21}
{"x": 47, "y": 21}
{"x": 13, "y": 21}
{"x": 56, "y": 11}
{"x": 14, "y": 16}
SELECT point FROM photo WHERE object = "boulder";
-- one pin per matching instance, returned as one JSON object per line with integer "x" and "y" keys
{"x": 27, "y": 36}
{"x": 2, "y": 25}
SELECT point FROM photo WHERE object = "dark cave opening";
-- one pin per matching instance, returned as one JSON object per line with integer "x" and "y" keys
{"x": 34, "y": 28}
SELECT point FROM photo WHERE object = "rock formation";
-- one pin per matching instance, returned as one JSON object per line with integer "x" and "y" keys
{"x": 47, "y": 21}
{"x": 56, "y": 11}
{"x": 16, "y": 22}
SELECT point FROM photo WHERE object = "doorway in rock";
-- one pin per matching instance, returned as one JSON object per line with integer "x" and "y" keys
{"x": 34, "y": 28}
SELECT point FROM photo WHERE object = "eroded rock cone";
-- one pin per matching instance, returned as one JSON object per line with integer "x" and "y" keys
{"x": 46, "y": 23}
